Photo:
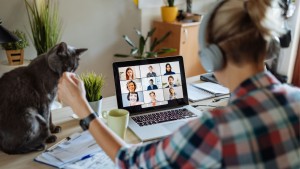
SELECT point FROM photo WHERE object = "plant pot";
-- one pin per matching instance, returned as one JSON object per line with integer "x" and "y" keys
{"x": 15, "y": 57}
{"x": 97, "y": 106}
{"x": 136, "y": 2}
{"x": 169, "y": 14}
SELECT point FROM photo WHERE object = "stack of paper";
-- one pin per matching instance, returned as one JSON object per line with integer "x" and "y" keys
{"x": 77, "y": 147}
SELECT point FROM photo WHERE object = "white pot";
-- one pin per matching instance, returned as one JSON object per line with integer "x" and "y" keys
{"x": 97, "y": 106}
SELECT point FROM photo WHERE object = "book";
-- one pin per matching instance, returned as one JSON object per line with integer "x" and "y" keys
{"x": 205, "y": 90}
{"x": 77, "y": 150}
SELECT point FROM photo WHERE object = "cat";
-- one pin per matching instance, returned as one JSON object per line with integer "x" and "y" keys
{"x": 26, "y": 96}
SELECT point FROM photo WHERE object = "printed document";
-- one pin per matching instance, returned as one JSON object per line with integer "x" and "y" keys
{"x": 80, "y": 149}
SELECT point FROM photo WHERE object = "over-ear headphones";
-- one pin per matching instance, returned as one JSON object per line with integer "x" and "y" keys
{"x": 211, "y": 55}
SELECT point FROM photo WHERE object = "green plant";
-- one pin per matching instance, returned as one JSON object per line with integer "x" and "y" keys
{"x": 23, "y": 43}
{"x": 139, "y": 51}
{"x": 93, "y": 85}
{"x": 169, "y": 3}
{"x": 45, "y": 24}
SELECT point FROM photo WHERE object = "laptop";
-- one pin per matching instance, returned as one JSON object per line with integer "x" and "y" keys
{"x": 154, "y": 91}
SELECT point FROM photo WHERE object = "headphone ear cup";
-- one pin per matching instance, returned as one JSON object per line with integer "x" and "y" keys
{"x": 212, "y": 58}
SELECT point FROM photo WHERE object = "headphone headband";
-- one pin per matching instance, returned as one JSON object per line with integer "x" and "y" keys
{"x": 210, "y": 54}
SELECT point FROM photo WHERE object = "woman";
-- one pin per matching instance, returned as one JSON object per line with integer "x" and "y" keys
{"x": 172, "y": 94}
{"x": 129, "y": 74}
{"x": 133, "y": 99}
{"x": 169, "y": 69}
{"x": 259, "y": 128}
{"x": 131, "y": 86}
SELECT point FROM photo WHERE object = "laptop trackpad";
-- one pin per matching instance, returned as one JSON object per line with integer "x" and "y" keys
{"x": 173, "y": 126}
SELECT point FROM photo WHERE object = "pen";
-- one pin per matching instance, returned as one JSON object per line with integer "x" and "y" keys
{"x": 216, "y": 100}
{"x": 56, "y": 144}
{"x": 85, "y": 157}
{"x": 197, "y": 105}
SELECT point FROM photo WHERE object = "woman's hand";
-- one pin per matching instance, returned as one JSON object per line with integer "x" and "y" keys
{"x": 71, "y": 92}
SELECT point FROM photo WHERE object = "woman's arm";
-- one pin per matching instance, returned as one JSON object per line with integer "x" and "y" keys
{"x": 176, "y": 151}
{"x": 71, "y": 92}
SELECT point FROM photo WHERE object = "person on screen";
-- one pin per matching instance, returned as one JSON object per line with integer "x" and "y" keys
{"x": 151, "y": 73}
{"x": 133, "y": 99}
{"x": 258, "y": 128}
{"x": 172, "y": 94}
{"x": 131, "y": 86}
{"x": 151, "y": 85}
{"x": 129, "y": 74}
{"x": 171, "y": 82}
{"x": 169, "y": 69}
{"x": 153, "y": 98}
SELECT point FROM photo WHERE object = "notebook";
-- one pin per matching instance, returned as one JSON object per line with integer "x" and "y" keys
{"x": 205, "y": 90}
{"x": 154, "y": 92}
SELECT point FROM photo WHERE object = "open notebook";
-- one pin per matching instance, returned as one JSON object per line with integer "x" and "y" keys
{"x": 205, "y": 90}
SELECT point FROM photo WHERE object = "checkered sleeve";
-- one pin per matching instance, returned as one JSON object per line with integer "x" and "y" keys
{"x": 195, "y": 145}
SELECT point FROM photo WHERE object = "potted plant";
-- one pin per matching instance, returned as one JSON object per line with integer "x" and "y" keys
{"x": 15, "y": 50}
{"x": 140, "y": 52}
{"x": 45, "y": 24}
{"x": 93, "y": 85}
{"x": 169, "y": 11}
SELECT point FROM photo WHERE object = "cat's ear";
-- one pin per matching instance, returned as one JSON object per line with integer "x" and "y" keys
{"x": 80, "y": 51}
{"x": 54, "y": 60}
{"x": 62, "y": 48}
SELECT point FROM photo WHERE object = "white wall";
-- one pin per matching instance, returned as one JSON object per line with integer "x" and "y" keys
{"x": 95, "y": 24}
{"x": 287, "y": 57}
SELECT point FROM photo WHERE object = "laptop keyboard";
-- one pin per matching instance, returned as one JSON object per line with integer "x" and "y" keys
{"x": 164, "y": 116}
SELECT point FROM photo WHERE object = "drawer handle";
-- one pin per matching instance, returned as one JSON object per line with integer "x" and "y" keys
{"x": 186, "y": 34}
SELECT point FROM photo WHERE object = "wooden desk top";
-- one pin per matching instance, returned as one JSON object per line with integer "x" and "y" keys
{"x": 63, "y": 117}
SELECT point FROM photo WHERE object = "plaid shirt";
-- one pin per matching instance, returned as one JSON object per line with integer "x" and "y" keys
{"x": 258, "y": 129}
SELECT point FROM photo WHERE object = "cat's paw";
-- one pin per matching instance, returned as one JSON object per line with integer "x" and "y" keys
{"x": 51, "y": 139}
{"x": 40, "y": 147}
{"x": 55, "y": 129}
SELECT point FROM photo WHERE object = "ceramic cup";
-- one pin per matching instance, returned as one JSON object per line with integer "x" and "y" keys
{"x": 117, "y": 120}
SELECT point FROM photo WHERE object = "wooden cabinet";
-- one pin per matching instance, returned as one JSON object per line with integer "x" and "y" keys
{"x": 184, "y": 38}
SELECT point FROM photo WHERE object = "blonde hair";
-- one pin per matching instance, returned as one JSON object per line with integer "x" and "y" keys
{"x": 244, "y": 29}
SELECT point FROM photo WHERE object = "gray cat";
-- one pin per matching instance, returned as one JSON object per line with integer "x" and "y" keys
{"x": 26, "y": 97}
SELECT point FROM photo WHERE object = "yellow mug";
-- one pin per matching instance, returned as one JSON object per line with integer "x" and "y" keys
{"x": 117, "y": 120}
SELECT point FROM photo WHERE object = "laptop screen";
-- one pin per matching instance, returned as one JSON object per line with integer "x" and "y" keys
{"x": 150, "y": 84}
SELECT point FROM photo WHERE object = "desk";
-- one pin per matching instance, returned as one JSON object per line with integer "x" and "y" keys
{"x": 63, "y": 118}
